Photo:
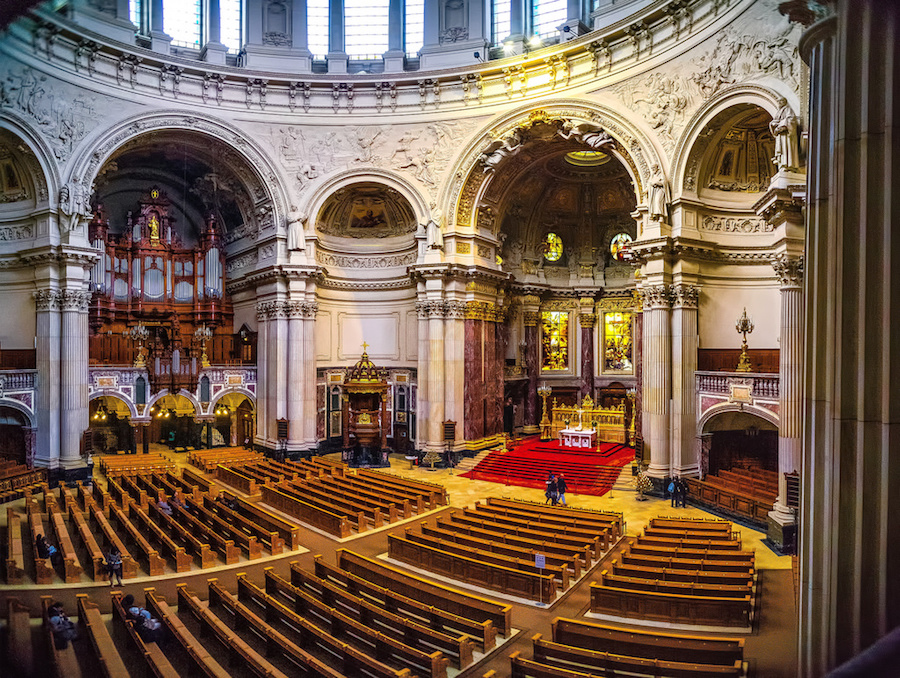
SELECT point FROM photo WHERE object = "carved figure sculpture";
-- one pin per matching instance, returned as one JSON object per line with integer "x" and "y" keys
{"x": 589, "y": 134}
{"x": 295, "y": 224}
{"x": 659, "y": 196}
{"x": 505, "y": 146}
{"x": 71, "y": 209}
{"x": 434, "y": 228}
{"x": 784, "y": 129}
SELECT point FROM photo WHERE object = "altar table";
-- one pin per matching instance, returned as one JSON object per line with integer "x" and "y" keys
{"x": 578, "y": 438}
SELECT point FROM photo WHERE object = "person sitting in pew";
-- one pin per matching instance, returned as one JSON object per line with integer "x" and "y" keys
{"x": 148, "y": 628}
{"x": 46, "y": 550}
{"x": 62, "y": 627}
{"x": 163, "y": 506}
{"x": 179, "y": 502}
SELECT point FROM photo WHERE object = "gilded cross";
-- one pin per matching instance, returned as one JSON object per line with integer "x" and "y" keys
{"x": 365, "y": 346}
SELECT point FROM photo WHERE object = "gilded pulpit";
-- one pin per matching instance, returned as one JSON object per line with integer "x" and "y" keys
{"x": 365, "y": 420}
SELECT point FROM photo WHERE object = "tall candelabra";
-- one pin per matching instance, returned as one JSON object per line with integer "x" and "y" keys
{"x": 139, "y": 333}
{"x": 544, "y": 391}
{"x": 744, "y": 327}
{"x": 203, "y": 334}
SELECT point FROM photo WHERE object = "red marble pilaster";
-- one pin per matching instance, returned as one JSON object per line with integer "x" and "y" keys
{"x": 473, "y": 394}
{"x": 489, "y": 376}
{"x": 587, "y": 358}
{"x": 637, "y": 353}
{"x": 532, "y": 369}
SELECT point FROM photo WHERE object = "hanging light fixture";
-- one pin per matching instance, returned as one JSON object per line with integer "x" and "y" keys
{"x": 101, "y": 413}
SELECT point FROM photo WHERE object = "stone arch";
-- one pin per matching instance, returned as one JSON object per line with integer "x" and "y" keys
{"x": 198, "y": 410}
{"x": 232, "y": 391}
{"x": 21, "y": 408}
{"x": 634, "y": 149}
{"x": 753, "y": 410}
{"x": 48, "y": 181}
{"x": 692, "y": 147}
{"x": 264, "y": 180}
{"x": 118, "y": 395}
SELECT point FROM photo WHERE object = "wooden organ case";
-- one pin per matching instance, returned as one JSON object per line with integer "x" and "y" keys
{"x": 152, "y": 294}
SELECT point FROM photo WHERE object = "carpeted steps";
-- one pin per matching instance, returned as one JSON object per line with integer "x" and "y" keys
{"x": 469, "y": 463}
{"x": 530, "y": 464}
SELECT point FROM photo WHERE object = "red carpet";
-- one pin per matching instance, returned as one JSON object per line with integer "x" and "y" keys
{"x": 528, "y": 465}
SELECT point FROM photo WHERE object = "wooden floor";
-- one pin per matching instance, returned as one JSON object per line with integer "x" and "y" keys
{"x": 770, "y": 649}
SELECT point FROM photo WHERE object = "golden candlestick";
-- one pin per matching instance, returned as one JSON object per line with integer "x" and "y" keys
{"x": 544, "y": 391}
{"x": 744, "y": 326}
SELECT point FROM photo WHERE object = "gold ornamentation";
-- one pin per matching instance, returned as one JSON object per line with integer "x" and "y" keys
{"x": 530, "y": 318}
{"x": 744, "y": 327}
{"x": 588, "y": 320}
{"x": 463, "y": 248}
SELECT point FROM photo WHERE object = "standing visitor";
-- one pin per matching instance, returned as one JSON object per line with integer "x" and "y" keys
{"x": 561, "y": 489}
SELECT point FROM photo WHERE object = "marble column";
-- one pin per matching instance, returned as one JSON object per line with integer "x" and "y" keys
{"x": 532, "y": 369}
{"x": 789, "y": 270}
{"x": 213, "y": 51}
{"x": 73, "y": 381}
{"x": 47, "y": 343}
{"x": 685, "y": 345}
{"x": 337, "y": 57}
{"x": 498, "y": 371}
{"x": 637, "y": 346}
{"x": 295, "y": 387}
{"x": 278, "y": 365}
{"x": 489, "y": 377}
{"x": 850, "y": 550}
{"x": 588, "y": 321}
{"x": 657, "y": 376}
{"x": 396, "y": 53}
{"x": 474, "y": 394}
{"x": 308, "y": 375}
{"x": 422, "y": 376}
{"x": 436, "y": 375}
{"x": 160, "y": 41}
{"x": 262, "y": 374}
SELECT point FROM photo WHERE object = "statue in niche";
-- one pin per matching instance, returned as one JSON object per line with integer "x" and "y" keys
{"x": 72, "y": 208}
{"x": 784, "y": 129}
{"x": 659, "y": 196}
{"x": 295, "y": 225}
{"x": 434, "y": 228}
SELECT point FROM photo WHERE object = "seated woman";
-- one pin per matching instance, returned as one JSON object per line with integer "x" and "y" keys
{"x": 148, "y": 628}
{"x": 45, "y": 549}
{"x": 62, "y": 627}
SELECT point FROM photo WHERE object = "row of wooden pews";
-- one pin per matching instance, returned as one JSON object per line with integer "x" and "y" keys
{"x": 17, "y": 479}
{"x": 207, "y": 460}
{"x": 685, "y": 571}
{"x": 582, "y": 649}
{"x": 337, "y": 500}
{"x": 129, "y": 465}
{"x": 494, "y": 545}
{"x": 747, "y": 492}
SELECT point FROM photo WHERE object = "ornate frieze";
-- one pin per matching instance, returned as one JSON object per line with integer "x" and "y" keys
{"x": 587, "y": 320}
{"x": 484, "y": 310}
{"x": 711, "y": 222}
{"x": 232, "y": 266}
{"x": 789, "y": 270}
{"x": 531, "y": 318}
{"x": 360, "y": 261}
{"x": 24, "y": 232}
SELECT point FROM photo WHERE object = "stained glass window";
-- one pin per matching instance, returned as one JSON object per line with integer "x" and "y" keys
{"x": 618, "y": 245}
{"x": 552, "y": 247}
{"x": 555, "y": 340}
{"x": 617, "y": 342}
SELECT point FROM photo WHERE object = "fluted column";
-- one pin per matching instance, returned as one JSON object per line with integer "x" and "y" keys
{"x": 436, "y": 375}
{"x": 588, "y": 321}
{"x": 422, "y": 398}
{"x": 296, "y": 359}
{"x": 73, "y": 377}
{"x": 47, "y": 344}
{"x": 262, "y": 374}
{"x": 685, "y": 344}
{"x": 657, "y": 376}
{"x": 455, "y": 361}
{"x": 850, "y": 550}
{"x": 308, "y": 375}
{"x": 789, "y": 271}
{"x": 277, "y": 366}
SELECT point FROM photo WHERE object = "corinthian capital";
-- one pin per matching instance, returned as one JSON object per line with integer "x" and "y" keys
{"x": 657, "y": 296}
{"x": 685, "y": 296}
{"x": 789, "y": 270}
{"x": 47, "y": 300}
{"x": 75, "y": 300}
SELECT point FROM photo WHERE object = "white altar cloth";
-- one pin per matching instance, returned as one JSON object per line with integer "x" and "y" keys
{"x": 583, "y": 439}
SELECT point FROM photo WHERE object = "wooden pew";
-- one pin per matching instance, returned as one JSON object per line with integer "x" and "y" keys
{"x": 590, "y": 660}
{"x": 325, "y": 520}
{"x": 187, "y": 488}
{"x": 406, "y": 499}
{"x": 603, "y": 534}
{"x": 198, "y": 654}
{"x": 71, "y": 565}
{"x": 288, "y": 532}
{"x": 358, "y": 514}
{"x": 91, "y": 622}
{"x": 129, "y": 565}
{"x": 156, "y": 661}
{"x": 650, "y": 644}
{"x": 43, "y": 574}
{"x": 681, "y": 588}
{"x": 696, "y": 544}
{"x": 353, "y": 661}
{"x": 442, "y": 597}
{"x": 238, "y": 649}
{"x": 275, "y": 641}
{"x": 238, "y": 522}
{"x": 237, "y": 480}
{"x": 725, "y": 555}
{"x": 672, "y": 574}
{"x": 197, "y": 479}
{"x": 670, "y": 607}
{"x": 63, "y": 661}
{"x": 693, "y": 524}
{"x": 19, "y": 650}
{"x": 95, "y": 555}
{"x": 482, "y": 631}
{"x": 667, "y": 559}
{"x": 15, "y": 549}
{"x": 219, "y": 529}
{"x": 573, "y": 516}
{"x": 469, "y": 548}
{"x": 155, "y": 563}
{"x": 183, "y": 537}
{"x": 436, "y": 494}
{"x": 182, "y": 559}
{"x": 390, "y": 510}
{"x": 459, "y": 648}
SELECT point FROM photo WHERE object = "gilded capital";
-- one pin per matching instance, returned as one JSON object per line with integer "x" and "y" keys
{"x": 531, "y": 318}
{"x": 587, "y": 320}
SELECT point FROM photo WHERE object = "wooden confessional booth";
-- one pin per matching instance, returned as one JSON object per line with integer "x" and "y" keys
{"x": 364, "y": 415}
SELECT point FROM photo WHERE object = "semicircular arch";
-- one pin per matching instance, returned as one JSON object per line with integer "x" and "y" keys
{"x": 232, "y": 391}
{"x": 118, "y": 395}
{"x": 712, "y": 412}
{"x": 49, "y": 170}
{"x": 19, "y": 407}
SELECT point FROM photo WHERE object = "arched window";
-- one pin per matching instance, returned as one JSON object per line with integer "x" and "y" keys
{"x": 183, "y": 21}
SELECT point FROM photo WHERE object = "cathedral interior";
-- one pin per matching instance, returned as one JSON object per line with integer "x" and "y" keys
{"x": 362, "y": 289}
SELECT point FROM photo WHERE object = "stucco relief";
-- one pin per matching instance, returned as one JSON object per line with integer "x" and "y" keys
{"x": 63, "y": 115}
{"x": 711, "y": 222}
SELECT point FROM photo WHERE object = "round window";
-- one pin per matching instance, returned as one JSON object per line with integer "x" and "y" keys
{"x": 618, "y": 245}
{"x": 552, "y": 247}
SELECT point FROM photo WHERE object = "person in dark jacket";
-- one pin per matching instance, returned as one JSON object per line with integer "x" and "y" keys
{"x": 561, "y": 489}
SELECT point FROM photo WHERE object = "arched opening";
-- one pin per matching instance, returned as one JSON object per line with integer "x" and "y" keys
{"x": 234, "y": 421}
{"x": 173, "y": 423}
{"x": 13, "y": 435}
{"x": 109, "y": 420}
{"x": 741, "y": 440}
